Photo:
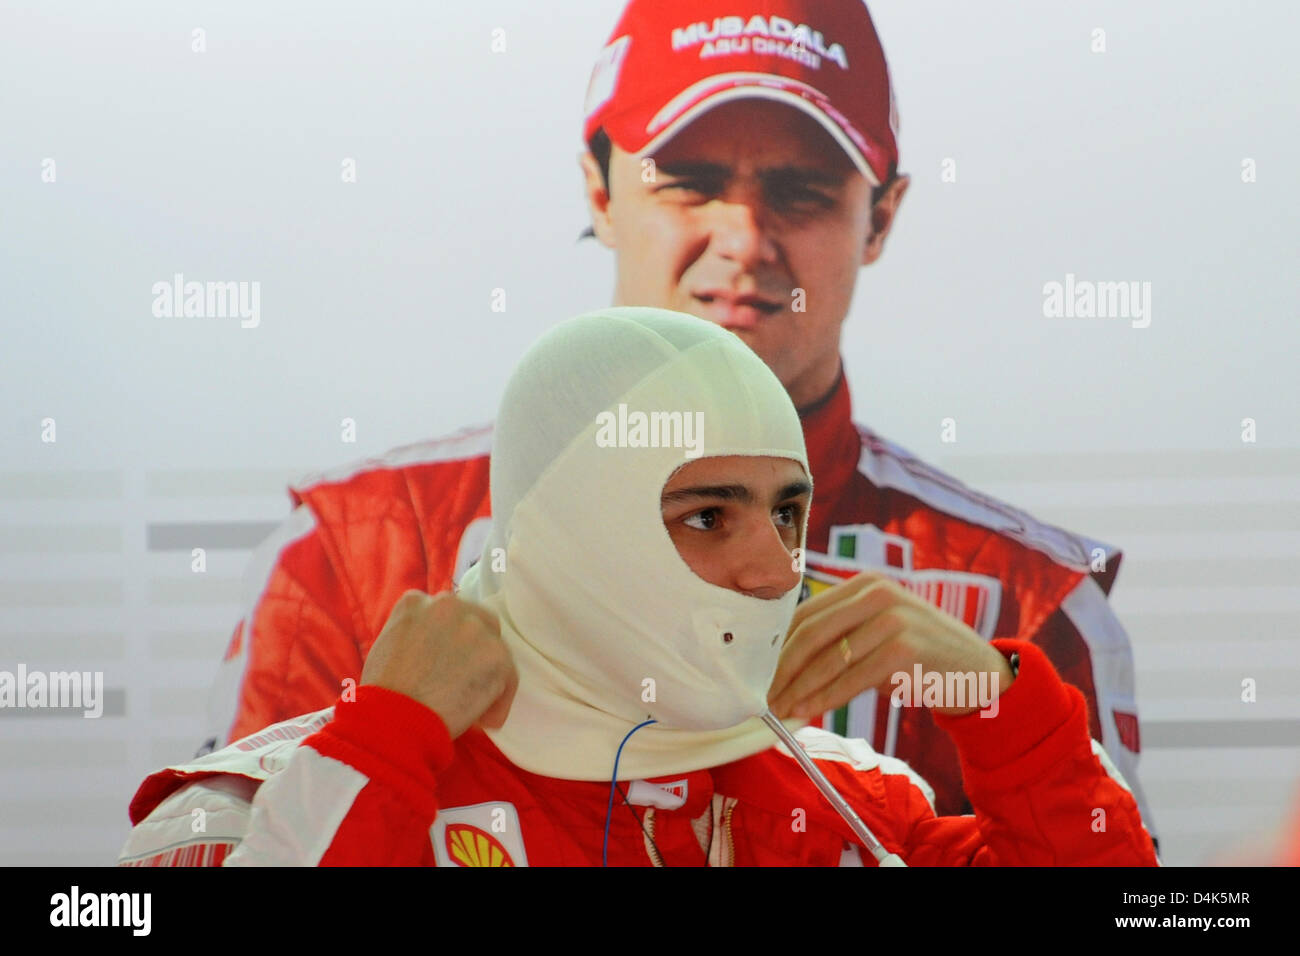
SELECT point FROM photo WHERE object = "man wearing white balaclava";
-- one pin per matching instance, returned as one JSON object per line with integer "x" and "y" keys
{"x": 589, "y": 694}
{"x": 607, "y": 624}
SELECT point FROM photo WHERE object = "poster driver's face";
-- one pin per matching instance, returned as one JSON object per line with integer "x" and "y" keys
{"x": 751, "y": 217}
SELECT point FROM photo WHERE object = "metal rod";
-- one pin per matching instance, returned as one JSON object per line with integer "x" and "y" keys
{"x": 883, "y": 856}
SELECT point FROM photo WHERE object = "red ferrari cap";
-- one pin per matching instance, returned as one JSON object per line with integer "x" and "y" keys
{"x": 668, "y": 61}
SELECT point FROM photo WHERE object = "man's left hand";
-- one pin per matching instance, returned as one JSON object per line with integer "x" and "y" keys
{"x": 855, "y": 636}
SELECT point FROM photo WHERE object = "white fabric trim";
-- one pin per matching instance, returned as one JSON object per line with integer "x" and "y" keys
{"x": 1112, "y": 678}
{"x": 851, "y": 856}
{"x": 891, "y": 729}
{"x": 891, "y": 466}
{"x": 226, "y": 806}
{"x": 1112, "y": 771}
{"x": 1092, "y": 616}
{"x": 466, "y": 443}
{"x": 860, "y": 755}
{"x": 1108, "y": 765}
{"x": 262, "y": 753}
{"x": 297, "y": 812}
{"x": 223, "y": 699}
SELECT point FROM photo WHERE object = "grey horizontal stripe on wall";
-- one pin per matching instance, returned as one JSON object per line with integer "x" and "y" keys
{"x": 1211, "y": 572}
{"x": 1228, "y": 517}
{"x": 1150, "y": 627}
{"x": 1222, "y": 679}
{"x": 1192, "y": 824}
{"x": 114, "y": 706}
{"x": 1225, "y": 792}
{"x": 195, "y": 589}
{"x": 1220, "y": 733}
{"x": 79, "y": 858}
{"x": 222, "y": 483}
{"x": 30, "y": 753}
{"x": 214, "y": 535}
{"x": 74, "y": 592}
{"x": 60, "y": 484}
{"x": 1237, "y": 517}
{"x": 1246, "y": 462}
{"x": 62, "y": 811}
{"x": 45, "y": 646}
{"x": 61, "y": 539}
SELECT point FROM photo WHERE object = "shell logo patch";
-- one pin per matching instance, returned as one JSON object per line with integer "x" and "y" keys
{"x": 484, "y": 834}
{"x": 470, "y": 846}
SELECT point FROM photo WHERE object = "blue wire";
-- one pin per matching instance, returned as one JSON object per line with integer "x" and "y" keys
{"x": 613, "y": 783}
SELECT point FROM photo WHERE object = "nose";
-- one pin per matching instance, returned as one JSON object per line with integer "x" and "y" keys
{"x": 740, "y": 232}
{"x": 765, "y": 568}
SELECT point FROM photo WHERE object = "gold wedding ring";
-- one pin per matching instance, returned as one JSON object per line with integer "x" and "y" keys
{"x": 846, "y": 651}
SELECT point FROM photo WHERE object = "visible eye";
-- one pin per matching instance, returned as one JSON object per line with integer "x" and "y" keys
{"x": 790, "y": 515}
{"x": 696, "y": 186}
{"x": 796, "y": 196}
{"x": 708, "y": 520}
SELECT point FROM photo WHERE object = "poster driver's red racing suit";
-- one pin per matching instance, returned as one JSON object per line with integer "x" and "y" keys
{"x": 321, "y": 587}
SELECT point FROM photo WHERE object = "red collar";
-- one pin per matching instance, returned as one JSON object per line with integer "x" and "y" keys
{"x": 834, "y": 447}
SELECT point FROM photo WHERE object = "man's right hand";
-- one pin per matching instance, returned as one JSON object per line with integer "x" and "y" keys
{"x": 447, "y": 654}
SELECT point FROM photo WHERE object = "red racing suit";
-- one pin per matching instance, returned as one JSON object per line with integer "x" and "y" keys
{"x": 376, "y": 780}
{"x": 321, "y": 587}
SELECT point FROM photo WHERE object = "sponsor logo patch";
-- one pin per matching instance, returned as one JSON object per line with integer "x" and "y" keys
{"x": 470, "y": 846}
{"x": 972, "y": 598}
{"x": 485, "y": 834}
{"x": 776, "y": 36}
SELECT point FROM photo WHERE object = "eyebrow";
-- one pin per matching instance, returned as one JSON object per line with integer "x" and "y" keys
{"x": 706, "y": 170}
{"x": 738, "y": 493}
{"x": 803, "y": 174}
